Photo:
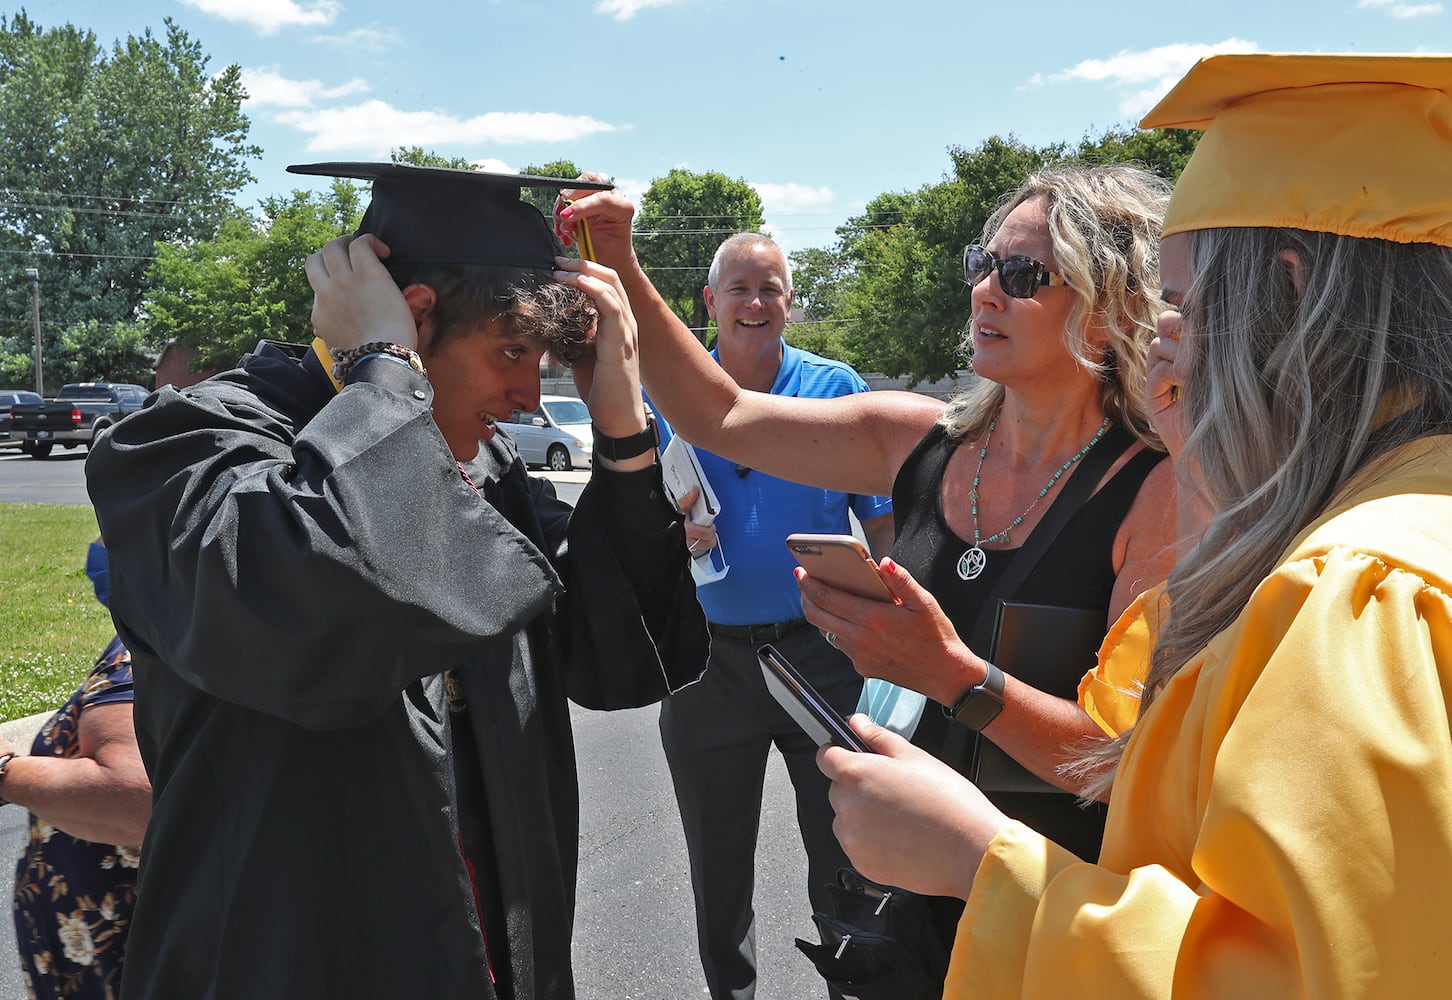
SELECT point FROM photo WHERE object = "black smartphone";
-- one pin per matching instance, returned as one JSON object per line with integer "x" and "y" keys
{"x": 818, "y": 719}
{"x": 840, "y": 561}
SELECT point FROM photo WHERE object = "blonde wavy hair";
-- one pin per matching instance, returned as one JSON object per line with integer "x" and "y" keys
{"x": 1291, "y": 392}
{"x": 1104, "y": 220}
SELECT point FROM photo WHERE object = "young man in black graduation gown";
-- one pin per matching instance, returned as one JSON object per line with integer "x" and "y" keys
{"x": 352, "y": 655}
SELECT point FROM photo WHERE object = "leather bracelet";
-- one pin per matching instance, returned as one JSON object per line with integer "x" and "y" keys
{"x": 5, "y": 763}
{"x": 620, "y": 449}
{"x": 982, "y": 703}
{"x": 346, "y": 358}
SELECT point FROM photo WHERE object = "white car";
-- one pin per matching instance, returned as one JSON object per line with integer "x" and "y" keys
{"x": 557, "y": 435}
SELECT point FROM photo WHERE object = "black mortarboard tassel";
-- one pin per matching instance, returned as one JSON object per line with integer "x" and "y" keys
{"x": 435, "y": 215}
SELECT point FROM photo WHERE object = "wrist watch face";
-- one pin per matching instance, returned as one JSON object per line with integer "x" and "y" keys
{"x": 978, "y": 709}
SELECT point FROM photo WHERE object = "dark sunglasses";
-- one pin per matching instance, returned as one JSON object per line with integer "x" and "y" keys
{"x": 1020, "y": 276}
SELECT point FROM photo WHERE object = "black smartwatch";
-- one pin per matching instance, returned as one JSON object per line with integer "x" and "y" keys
{"x": 620, "y": 449}
{"x": 981, "y": 704}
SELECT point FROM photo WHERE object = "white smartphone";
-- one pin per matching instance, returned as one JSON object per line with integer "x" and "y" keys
{"x": 840, "y": 561}
{"x": 818, "y": 719}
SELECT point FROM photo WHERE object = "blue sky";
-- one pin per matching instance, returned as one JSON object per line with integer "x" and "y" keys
{"x": 820, "y": 105}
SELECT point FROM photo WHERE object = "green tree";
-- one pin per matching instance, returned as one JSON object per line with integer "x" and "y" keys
{"x": 102, "y": 155}
{"x": 222, "y": 296}
{"x": 1163, "y": 151}
{"x": 93, "y": 351}
{"x": 419, "y": 157}
{"x": 544, "y": 198}
{"x": 683, "y": 218}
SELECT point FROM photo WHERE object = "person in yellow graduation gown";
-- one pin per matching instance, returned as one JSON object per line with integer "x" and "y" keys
{"x": 1280, "y": 820}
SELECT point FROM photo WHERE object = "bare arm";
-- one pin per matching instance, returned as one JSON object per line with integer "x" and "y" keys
{"x": 850, "y": 443}
{"x": 102, "y": 795}
{"x": 881, "y": 532}
{"x": 1144, "y": 547}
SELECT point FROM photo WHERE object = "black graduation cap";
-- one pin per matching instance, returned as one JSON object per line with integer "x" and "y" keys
{"x": 436, "y": 215}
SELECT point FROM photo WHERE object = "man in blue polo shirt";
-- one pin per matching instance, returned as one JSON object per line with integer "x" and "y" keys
{"x": 718, "y": 732}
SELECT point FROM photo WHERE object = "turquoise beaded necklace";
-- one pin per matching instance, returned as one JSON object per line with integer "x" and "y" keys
{"x": 974, "y": 559}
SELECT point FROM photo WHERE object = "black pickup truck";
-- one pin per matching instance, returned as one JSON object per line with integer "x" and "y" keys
{"x": 79, "y": 412}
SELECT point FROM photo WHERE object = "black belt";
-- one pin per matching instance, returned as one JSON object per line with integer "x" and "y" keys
{"x": 756, "y": 634}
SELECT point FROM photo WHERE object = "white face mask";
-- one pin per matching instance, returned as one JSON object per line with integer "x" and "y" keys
{"x": 710, "y": 566}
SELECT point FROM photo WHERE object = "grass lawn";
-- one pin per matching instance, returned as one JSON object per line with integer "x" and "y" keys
{"x": 52, "y": 628}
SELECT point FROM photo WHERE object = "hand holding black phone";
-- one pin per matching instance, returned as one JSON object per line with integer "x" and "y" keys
{"x": 818, "y": 719}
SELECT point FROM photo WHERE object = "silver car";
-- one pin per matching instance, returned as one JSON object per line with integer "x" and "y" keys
{"x": 557, "y": 435}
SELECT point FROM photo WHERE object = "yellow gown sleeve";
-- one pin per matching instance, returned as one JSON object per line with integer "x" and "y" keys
{"x": 1281, "y": 824}
{"x": 1110, "y": 692}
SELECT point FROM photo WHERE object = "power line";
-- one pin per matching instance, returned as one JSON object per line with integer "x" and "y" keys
{"x": 66, "y": 253}
{"x": 31, "y": 192}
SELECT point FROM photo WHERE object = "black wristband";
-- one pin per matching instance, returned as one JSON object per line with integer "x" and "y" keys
{"x": 620, "y": 449}
{"x": 981, "y": 704}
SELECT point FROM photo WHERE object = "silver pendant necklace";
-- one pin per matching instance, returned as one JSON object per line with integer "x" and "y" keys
{"x": 974, "y": 559}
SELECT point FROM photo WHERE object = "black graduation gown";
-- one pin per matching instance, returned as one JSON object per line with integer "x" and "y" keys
{"x": 293, "y": 570}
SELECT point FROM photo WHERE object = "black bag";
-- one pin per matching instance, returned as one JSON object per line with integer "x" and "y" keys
{"x": 878, "y": 942}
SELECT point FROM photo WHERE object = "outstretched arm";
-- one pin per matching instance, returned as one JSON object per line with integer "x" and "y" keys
{"x": 852, "y": 443}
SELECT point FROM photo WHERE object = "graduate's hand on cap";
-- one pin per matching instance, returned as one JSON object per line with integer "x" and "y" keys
{"x": 609, "y": 214}
{"x": 355, "y": 299}
{"x": 609, "y": 383}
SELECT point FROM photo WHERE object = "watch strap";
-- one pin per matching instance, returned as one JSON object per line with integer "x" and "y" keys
{"x": 623, "y": 448}
{"x": 982, "y": 703}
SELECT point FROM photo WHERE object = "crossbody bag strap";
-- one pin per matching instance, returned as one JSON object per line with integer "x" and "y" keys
{"x": 1092, "y": 468}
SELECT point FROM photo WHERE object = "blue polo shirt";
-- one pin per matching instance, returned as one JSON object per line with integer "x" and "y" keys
{"x": 759, "y": 511}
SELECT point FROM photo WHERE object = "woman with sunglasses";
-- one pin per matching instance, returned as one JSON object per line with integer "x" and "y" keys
{"x": 1065, "y": 295}
{"x": 1281, "y": 818}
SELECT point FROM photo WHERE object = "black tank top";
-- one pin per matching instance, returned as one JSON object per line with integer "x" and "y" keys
{"x": 1076, "y": 571}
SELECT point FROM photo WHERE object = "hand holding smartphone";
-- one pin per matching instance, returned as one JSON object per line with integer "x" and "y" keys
{"x": 840, "y": 561}
{"x": 807, "y": 708}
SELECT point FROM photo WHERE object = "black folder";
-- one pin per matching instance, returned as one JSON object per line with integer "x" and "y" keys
{"x": 1050, "y": 648}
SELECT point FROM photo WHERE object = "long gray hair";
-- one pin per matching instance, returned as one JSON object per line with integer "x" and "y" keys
{"x": 1104, "y": 221}
{"x": 1290, "y": 393}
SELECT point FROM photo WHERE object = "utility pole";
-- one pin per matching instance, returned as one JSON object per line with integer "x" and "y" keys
{"x": 34, "y": 275}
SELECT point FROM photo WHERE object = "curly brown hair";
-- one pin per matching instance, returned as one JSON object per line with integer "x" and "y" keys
{"x": 529, "y": 302}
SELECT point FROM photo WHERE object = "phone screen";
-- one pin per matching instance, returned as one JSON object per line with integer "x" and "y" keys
{"x": 818, "y": 719}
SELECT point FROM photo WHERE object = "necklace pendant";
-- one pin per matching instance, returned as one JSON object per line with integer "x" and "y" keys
{"x": 971, "y": 563}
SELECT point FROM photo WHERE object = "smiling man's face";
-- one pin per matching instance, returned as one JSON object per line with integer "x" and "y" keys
{"x": 752, "y": 297}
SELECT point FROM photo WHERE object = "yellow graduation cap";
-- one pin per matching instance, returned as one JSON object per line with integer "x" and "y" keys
{"x": 1359, "y": 145}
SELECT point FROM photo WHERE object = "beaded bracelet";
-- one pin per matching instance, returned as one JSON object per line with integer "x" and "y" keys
{"x": 346, "y": 358}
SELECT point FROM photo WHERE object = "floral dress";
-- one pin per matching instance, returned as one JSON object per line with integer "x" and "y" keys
{"x": 73, "y": 898}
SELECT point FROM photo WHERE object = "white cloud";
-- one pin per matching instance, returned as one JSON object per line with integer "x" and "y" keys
{"x": 1151, "y": 72}
{"x": 624, "y": 10}
{"x": 363, "y": 40}
{"x": 376, "y": 127}
{"x": 267, "y": 87}
{"x": 788, "y": 199}
{"x": 493, "y": 166}
{"x": 1398, "y": 9}
{"x": 780, "y": 202}
{"x": 267, "y": 16}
